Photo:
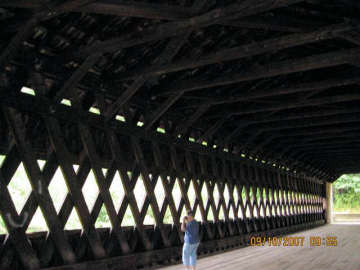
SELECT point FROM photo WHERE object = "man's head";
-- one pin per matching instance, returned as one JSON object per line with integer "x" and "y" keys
{"x": 190, "y": 215}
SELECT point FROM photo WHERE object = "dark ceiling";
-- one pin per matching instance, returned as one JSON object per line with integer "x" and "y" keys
{"x": 277, "y": 81}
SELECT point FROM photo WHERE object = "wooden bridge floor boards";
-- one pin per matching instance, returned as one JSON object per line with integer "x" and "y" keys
{"x": 346, "y": 256}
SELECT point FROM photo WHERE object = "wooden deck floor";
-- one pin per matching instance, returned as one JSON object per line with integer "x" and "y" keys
{"x": 346, "y": 256}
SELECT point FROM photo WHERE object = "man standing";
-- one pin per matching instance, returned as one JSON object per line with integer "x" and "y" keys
{"x": 191, "y": 240}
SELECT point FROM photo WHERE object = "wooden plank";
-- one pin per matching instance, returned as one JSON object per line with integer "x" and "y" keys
{"x": 112, "y": 7}
{"x": 266, "y": 24}
{"x": 269, "y": 45}
{"x": 36, "y": 179}
{"x": 142, "y": 10}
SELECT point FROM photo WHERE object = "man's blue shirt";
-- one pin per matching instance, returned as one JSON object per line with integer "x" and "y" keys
{"x": 192, "y": 232}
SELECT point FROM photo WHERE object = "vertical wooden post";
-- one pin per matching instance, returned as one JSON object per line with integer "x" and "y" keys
{"x": 329, "y": 202}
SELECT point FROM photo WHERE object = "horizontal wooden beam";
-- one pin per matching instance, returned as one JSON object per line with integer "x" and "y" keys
{"x": 171, "y": 29}
{"x": 248, "y": 50}
{"x": 320, "y": 131}
{"x": 293, "y": 104}
{"x": 266, "y": 24}
{"x": 334, "y": 120}
{"x": 42, "y": 106}
{"x": 255, "y": 120}
{"x": 271, "y": 70}
{"x": 113, "y": 7}
{"x": 293, "y": 89}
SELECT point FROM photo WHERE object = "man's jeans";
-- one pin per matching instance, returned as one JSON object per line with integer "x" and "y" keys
{"x": 189, "y": 254}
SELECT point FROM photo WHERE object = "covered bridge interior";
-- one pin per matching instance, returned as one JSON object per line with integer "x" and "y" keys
{"x": 252, "y": 104}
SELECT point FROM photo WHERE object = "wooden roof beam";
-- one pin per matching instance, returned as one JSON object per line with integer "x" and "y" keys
{"x": 293, "y": 89}
{"x": 174, "y": 97}
{"x": 171, "y": 50}
{"x": 171, "y": 29}
{"x": 246, "y": 123}
{"x": 293, "y": 105}
{"x": 113, "y": 7}
{"x": 271, "y": 70}
{"x": 248, "y": 50}
{"x": 334, "y": 120}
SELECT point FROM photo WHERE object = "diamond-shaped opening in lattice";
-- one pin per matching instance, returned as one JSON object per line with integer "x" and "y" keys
{"x": 103, "y": 220}
{"x": 176, "y": 193}
{"x": 276, "y": 196}
{"x": 262, "y": 212}
{"x": 73, "y": 222}
{"x": 140, "y": 192}
{"x": 235, "y": 196}
{"x": 41, "y": 164}
{"x": 38, "y": 223}
{"x": 210, "y": 215}
{"x": 168, "y": 219}
{"x": 227, "y": 195}
{"x": 273, "y": 210}
{"x": 240, "y": 213}
{"x": 248, "y": 215}
{"x": 2, "y": 158}
{"x": 3, "y": 229}
{"x": 270, "y": 196}
{"x": 204, "y": 194}
{"x": 216, "y": 195}
{"x": 58, "y": 189}
{"x": 267, "y": 212}
{"x": 128, "y": 219}
{"x": 258, "y": 196}
{"x": 221, "y": 214}
{"x": 255, "y": 211}
{"x": 243, "y": 195}
{"x": 149, "y": 217}
{"x": 90, "y": 190}
{"x": 191, "y": 194}
{"x": 290, "y": 210}
{"x": 183, "y": 213}
{"x": 117, "y": 191}
{"x": 76, "y": 168}
{"x": 232, "y": 213}
{"x": 19, "y": 188}
{"x": 198, "y": 216}
{"x": 159, "y": 192}
{"x": 251, "y": 198}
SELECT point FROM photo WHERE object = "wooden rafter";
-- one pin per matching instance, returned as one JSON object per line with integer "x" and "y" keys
{"x": 248, "y": 50}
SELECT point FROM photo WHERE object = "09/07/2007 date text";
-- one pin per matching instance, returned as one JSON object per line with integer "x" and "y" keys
{"x": 293, "y": 241}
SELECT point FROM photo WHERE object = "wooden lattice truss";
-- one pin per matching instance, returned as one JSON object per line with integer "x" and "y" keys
{"x": 255, "y": 99}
